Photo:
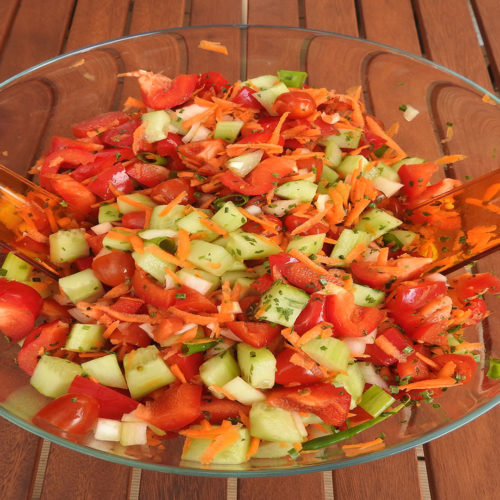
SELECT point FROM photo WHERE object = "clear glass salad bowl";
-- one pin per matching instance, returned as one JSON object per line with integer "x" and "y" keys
{"x": 46, "y": 99}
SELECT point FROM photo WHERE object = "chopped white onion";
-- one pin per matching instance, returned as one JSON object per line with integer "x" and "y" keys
{"x": 123, "y": 326}
{"x": 321, "y": 201}
{"x": 63, "y": 300}
{"x": 108, "y": 429}
{"x": 102, "y": 228}
{"x": 254, "y": 210}
{"x": 228, "y": 334}
{"x": 80, "y": 316}
{"x": 150, "y": 234}
{"x": 330, "y": 119}
{"x": 386, "y": 186}
{"x": 371, "y": 255}
{"x": 357, "y": 345}
{"x": 298, "y": 422}
{"x": 103, "y": 251}
{"x": 148, "y": 328}
{"x": 410, "y": 113}
{"x": 371, "y": 376}
{"x": 192, "y": 131}
{"x": 437, "y": 277}
{"x": 196, "y": 283}
{"x": 201, "y": 134}
{"x": 133, "y": 433}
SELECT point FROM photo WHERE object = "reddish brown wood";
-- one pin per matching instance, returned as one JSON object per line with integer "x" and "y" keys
{"x": 215, "y": 12}
{"x": 87, "y": 27}
{"x": 302, "y": 486}
{"x": 73, "y": 475}
{"x": 449, "y": 38}
{"x": 282, "y": 13}
{"x": 149, "y": 15}
{"x": 7, "y": 13}
{"x": 338, "y": 16}
{"x": 37, "y": 34}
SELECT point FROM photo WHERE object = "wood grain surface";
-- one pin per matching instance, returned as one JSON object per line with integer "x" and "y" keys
{"x": 462, "y": 465}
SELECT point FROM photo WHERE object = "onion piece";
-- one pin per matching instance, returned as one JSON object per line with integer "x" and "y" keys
{"x": 357, "y": 345}
{"x": 102, "y": 228}
{"x": 371, "y": 376}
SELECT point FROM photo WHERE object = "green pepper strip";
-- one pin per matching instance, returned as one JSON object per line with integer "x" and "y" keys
{"x": 238, "y": 199}
{"x": 151, "y": 158}
{"x": 324, "y": 441}
{"x": 188, "y": 348}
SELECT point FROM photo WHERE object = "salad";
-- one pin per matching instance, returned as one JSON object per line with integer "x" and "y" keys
{"x": 241, "y": 265}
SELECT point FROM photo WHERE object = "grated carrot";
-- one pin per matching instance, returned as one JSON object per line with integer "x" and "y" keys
{"x": 137, "y": 243}
{"x": 358, "y": 449}
{"x": 244, "y": 418}
{"x": 220, "y": 443}
{"x": 355, "y": 253}
{"x": 114, "y": 190}
{"x": 426, "y": 360}
{"x": 197, "y": 319}
{"x": 52, "y": 220}
{"x": 264, "y": 223}
{"x": 218, "y": 388}
{"x": 137, "y": 204}
{"x": 299, "y": 358}
{"x": 184, "y": 244}
{"x": 210, "y": 224}
{"x": 320, "y": 330}
{"x": 132, "y": 102}
{"x": 155, "y": 250}
{"x": 356, "y": 211}
{"x": 449, "y": 159}
{"x": 188, "y": 335}
{"x": 235, "y": 294}
{"x": 117, "y": 291}
{"x": 433, "y": 383}
{"x": 311, "y": 222}
{"x": 471, "y": 346}
{"x": 290, "y": 335}
{"x": 254, "y": 447}
{"x": 378, "y": 130}
{"x": 110, "y": 329}
{"x": 294, "y": 252}
{"x": 275, "y": 136}
{"x": 213, "y": 47}
{"x": 383, "y": 343}
{"x": 178, "y": 373}
{"x": 87, "y": 308}
{"x": 383, "y": 256}
{"x": 168, "y": 208}
{"x": 447, "y": 370}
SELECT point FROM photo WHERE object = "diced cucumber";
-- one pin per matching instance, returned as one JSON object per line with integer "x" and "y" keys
{"x": 108, "y": 429}
{"x": 245, "y": 284}
{"x": 168, "y": 221}
{"x": 237, "y": 265}
{"x": 297, "y": 190}
{"x": 280, "y": 208}
{"x": 14, "y": 268}
{"x": 347, "y": 138}
{"x": 366, "y": 296}
{"x": 308, "y": 245}
{"x": 347, "y": 240}
{"x": 156, "y": 125}
{"x": 377, "y": 222}
{"x": 68, "y": 245}
{"x": 232, "y": 276}
{"x": 219, "y": 371}
{"x": 353, "y": 382}
{"x": 333, "y": 153}
{"x": 273, "y": 424}
{"x": 268, "y": 96}
{"x": 106, "y": 371}
{"x": 229, "y": 217}
{"x": 145, "y": 371}
{"x": 273, "y": 449}
{"x": 246, "y": 246}
{"x": 209, "y": 257}
{"x": 152, "y": 264}
{"x": 108, "y": 213}
{"x": 263, "y": 82}
{"x": 387, "y": 172}
{"x": 294, "y": 79}
{"x": 199, "y": 280}
{"x": 133, "y": 433}
{"x": 118, "y": 243}
{"x": 258, "y": 366}
{"x": 329, "y": 174}
{"x": 82, "y": 286}
{"x": 243, "y": 392}
{"x": 193, "y": 225}
{"x": 53, "y": 376}
{"x": 351, "y": 163}
{"x": 124, "y": 207}
{"x": 386, "y": 186}
{"x": 228, "y": 130}
{"x": 174, "y": 339}
{"x": 242, "y": 165}
{"x": 400, "y": 237}
{"x": 412, "y": 160}
{"x": 155, "y": 234}
{"x": 85, "y": 337}
{"x": 329, "y": 352}
{"x": 232, "y": 455}
{"x": 283, "y": 303}
{"x": 375, "y": 400}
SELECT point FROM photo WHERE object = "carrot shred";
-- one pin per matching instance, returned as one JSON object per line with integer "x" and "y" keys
{"x": 356, "y": 211}
{"x": 184, "y": 245}
{"x": 383, "y": 256}
{"x": 220, "y": 389}
{"x": 117, "y": 291}
{"x": 378, "y": 130}
{"x": 188, "y": 335}
{"x": 426, "y": 360}
{"x": 294, "y": 252}
{"x": 447, "y": 370}
{"x": 320, "y": 330}
{"x": 137, "y": 243}
{"x": 155, "y": 250}
{"x": 254, "y": 447}
{"x": 311, "y": 222}
{"x": 178, "y": 373}
{"x": 355, "y": 253}
{"x": 219, "y": 444}
{"x": 213, "y": 47}
{"x": 449, "y": 159}
{"x": 168, "y": 208}
{"x": 210, "y": 224}
{"x": 136, "y": 204}
{"x": 275, "y": 136}
{"x": 264, "y": 223}
{"x": 360, "y": 448}
{"x": 433, "y": 383}
{"x": 110, "y": 329}
{"x": 383, "y": 343}
{"x": 197, "y": 319}
{"x": 87, "y": 308}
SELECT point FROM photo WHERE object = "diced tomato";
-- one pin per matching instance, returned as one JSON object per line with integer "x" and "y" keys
{"x": 293, "y": 221}
{"x": 160, "y": 92}
{"x": 412, "y": 367}
{"x": 176, "y": 407}
{"x": 134, "y": 220}
{"x": 148, "y": 174}
{"x": 262, "y": 284}
{"x": 32, "y": 247}
{"x": 131, "y": 334}
{"x": 95, "y": 242}
{"x": 384, "y": 276}
{"x": 431, "y": 333}
{"x": 468, "y": 286}
{"x": 45, "y": 338}
{"x": 465, "y": 365}
{"x": 262, "y": 137}
{"x": 19, "y": 307}
{"x": 415, "y": 294}
{"x": 188, "y": 299}
{"x": 117, "y": 176}
{"x": 416, "y": 177}
{"x": 311, "y": 315}
{"x": 212, "y": 80}
{"x": 189, "y": 365}
{"x": 435, "y": 190}
{"x": 245, "y": 98}
{"x": 330, "y": 403}
{"x": 326, "y": 129}
{"x": 121, "y": 136}
{"x": 398, "y": 340}
{"x": 52, "y": 311}
{"x": 216, "y": 410}
{"x": 91, "y": 169}
{"x": 83, "y": 263}
{"x": 166, "y": 191}
{"x": 70, "y": 157}
{"x": 79, "y": 198}
{"x": 477, "y": 311}
{"x": 249, "y": 306}
{"x": 200, "y": 152}
{"x": 255, "y": 333}
{"x": 129, "y": 305}
{"x": 288, "y": 373}
{"x": 99, "y": 123}
{"x": 373, "y": 140}
{"x": 168, "y": 148}
{"x": 254, "y": 227}
{"x": 112, "y": 404}
{"x": 114, "y": 268}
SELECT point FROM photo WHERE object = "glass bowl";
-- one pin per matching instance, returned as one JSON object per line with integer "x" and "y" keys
{"x": 46, "y": 99}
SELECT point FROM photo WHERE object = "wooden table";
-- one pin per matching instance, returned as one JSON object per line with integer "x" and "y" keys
{"x": 461, "y": 465}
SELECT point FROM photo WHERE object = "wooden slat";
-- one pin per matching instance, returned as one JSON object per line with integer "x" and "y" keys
{"x": 338, "y": 16}
{"x": 488, "y": 17}
{"x": 74, "y": 475}
{"x": 215, "y": 12}
{"x": 37, "y": 34}
{"x": 301, "y": 486}
{"x": 150, "y": 15}
{"x": 392, "y": 477}
{"x": 449, "y": 38}
{"x": 95, "y": 21}
{"x": 7, "y": 13}
{"x": 455, "y": 467}
{"x": 282, "y": 13}
{"x": 390, "y": 22}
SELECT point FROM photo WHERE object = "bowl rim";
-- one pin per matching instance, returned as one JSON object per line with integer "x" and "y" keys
{"x": 191, "y": 471}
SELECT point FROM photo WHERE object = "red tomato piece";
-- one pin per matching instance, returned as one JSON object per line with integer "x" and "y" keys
{"x": 95, "y": 242}
{"x": 99, "y": 123}
{"x": 160, "y": 92}
{"x": 216, "y": 410}
{"x": 52, "y": 311}
{"x": 168, "y": 148}
{"x": 430, "y": 333}
{"x": 435, "y": 190}
{"x": 129, "y": 305}
{"x": 19, "y": 307}
{"x": 416, "y": 177}
{"x": 297, "y": 103}
{"x": 249, "y": 306}
{"x": 75, "y": 194}
{"x": 150, "y": 292}
{"x": 189, "y": 365}
{"x": 148, "y": 174}
{"x": 212, "y": 80}
{"x": 83, "y": 263}
{"x": 254, "y": 333}
{"x": 168, "y": 327}
{"x": 311, "y": 315}
{"x": 288, "y": 373}
{"x": 415, "y": 294}
{"x": 112, "y": 404}
{"x": 176, "y": 407}
{"x": 131, "y": 334}
{"x": 200, "y": 152}
{"x": 32, "y": 247}
{"x": 134, "y": 220}
{"x": 114, "y": 268}
{"x": 373, "y": 140}
{"x": 45, "y": 338}
{"x": 293, "y": 221}
{"x": 330, "y": 403}
{"x": 121, "y": 136}
{"x": 115, "y": 175}
{"x": 465, "y": 365}
{"x": 477, "y": 311}
{"x": 166, "y": 191}
{"x": 468, "y": 286}
{"x": 262, "y": 284}
{"x": 326, "y": 129}
{"x": 190, "y": 300}
{"x": 245, "y": 98}
{"x": 70, "y": 157}
{"x": 413, "y": 367}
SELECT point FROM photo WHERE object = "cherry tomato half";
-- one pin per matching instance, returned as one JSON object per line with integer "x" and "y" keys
{"x": 298, "y": 104}
{"x": 166, "y": 191}
{"x": 114, "y": 268}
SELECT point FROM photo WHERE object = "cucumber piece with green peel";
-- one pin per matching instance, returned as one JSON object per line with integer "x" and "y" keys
{"x": 412, "y": 160}
{"x": 283, "y": 303}
{"x": 192, "y": 223}
{"x": 351, "y": 163}
{"x": 219, "y": 370}
{"x": 124, "y": 207}
{"x": 15, "y": 268}
{"x": 308, "y": 245}
{"x": 209, "y": 257}
{"x": 243, "y": 392}
{"x": 262, "y": 82}
{"x": 293, "y": 79}
{"x": 387, "y": 172}
{"x": 229, "y": 217}
{"x": 375, "y": 401}
{"x": 156, "y": 124}
{"x": 53, "y": 376}
{"x": 83, "y": 285}
{"x": 108, "y": 212}
{"x": 333, "y": 153}
{"x": 247, "y": 246}
{"x": 85, "y": 337}
{"x": 118, "y": 243}
{"x": 268, "y": 96}
{"x": 347, "y": 240}
{"x": 199, "y": 280}
{"x": 329, "y": 352}
{"x": 228, "y": 130}
{"x": 237, "y": 265}
{"x": 297, "y": 190}
{"x": 329, "y": 174}
{"x": 106, "y": 371}
{"x": 346, "y": 138}
{"x": 258, "y": 365}
{"x": 242, "y": 165}
{"x": 152, "y": 264}
{"x": 233, "y": 276}
{"x": 400, "y": 238}
{"x": 145, "y": 371}
{"x": 377, "y": 222}
{"x": 353, "y": 382}
{"x": 232, "y": 455}
{"x": 273, "y": 424}
{"x": 67, "y": 245}
{"x": 169, "y": 221}
{"x": 366, "y": 296}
